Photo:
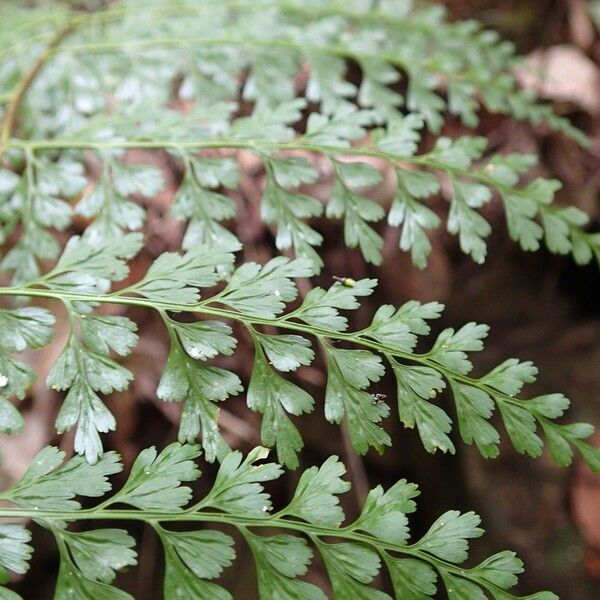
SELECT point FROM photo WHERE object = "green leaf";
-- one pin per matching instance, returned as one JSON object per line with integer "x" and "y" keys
{"x": 279, "y": 560}
{"x": 357, "y": 174}
{"x": 351, "y": 568}
{"x": 136, "y": 179}
{"x": 557, "y": 444}
{"x": 586, "y": 246}
{"x": 475, "y": 407}
{"x": 177, "y": 278}
{"x": 8, "y": 181}
{"x": 383, "y": 514}
{"x": 327, "y": 83}
{"x": 90, "y": 559}
{"x": 399, "y": 328}
{"x": 520, "y": 213}
{"x": 214, "y": 172}
{"x": 459, "y": 153}
{"x": 501, "y": 569}
{"x": 192, "y": 558}
{"x": 461, "y": 589}
{"x": 154, "y": 482}
{"x": 402, "y": 137}
{"x": 422, "y": 100}
{"x": 85, "y": 368}
{"x": 321, "y": 307}
{"x": 414, "y": 216}
{"x": 510, "y": 376}
{"x": 103, "y": 333}
{"x": 25, "y": 327}
{"x": 316, "y": 497}
{"x": 108, "y": 203}
{"x": 286, "y": 210}
{"x": 350, "y": 371}
{"x": 417, "y": 386}
{"x": 451, "y": 346}
{"x": 15, "y": 551}
{"x": 286, "y": 352}
{"x": 558, "y": 224}
{"x": 521, "y": 427}
{"x": 101, "y": 552}
{"x": 88, "y": 266}
{"x": 357, "y": 211}
{"x": 551, "y": 406}
{"x": 448, "y": 537}
{"x": 506, "y": 168}
{"x": 205, "y": 339}
{"x": 264, "y": 290}
{"x": 270, "y": 122}
{"x": 291, "y": 172}
{"x": 463, "y": 220}
{"x": 10, "y": 419}
{"x": 73, "y": 583}
{"x": 51, "y": 212}
{"x": 346, "y": 125}
{"x": 412, "y": 579}
{"x": 16, "y": 378}
{"x": 51, "y": 484}
{"x": 205, "y": 209}
{"x": 199, "y": 387}
{"x": 238, "y": 486}
{"x": 461, "y": 101}
{"x": 274, "y": 396}
{"x": 61, "y": 178}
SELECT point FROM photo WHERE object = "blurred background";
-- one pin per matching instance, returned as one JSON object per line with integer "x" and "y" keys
{"x": 540, "y": 307}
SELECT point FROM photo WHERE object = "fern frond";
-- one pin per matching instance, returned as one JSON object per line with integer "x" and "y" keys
{"x": 256, "y": 297}
{"x": 111, "y": 50}
{"x": 283, "y": 542}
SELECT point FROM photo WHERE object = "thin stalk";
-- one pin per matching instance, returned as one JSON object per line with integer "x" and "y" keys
{"x": 13, "y": 106}
{"x": 155, "y": 517}
{"x": 424, "y": 160}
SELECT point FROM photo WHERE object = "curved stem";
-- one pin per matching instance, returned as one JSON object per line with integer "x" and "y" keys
{"x": 13, "y": 106}
{"x": 248, "y": 320}
{"x": 155, "y": 518}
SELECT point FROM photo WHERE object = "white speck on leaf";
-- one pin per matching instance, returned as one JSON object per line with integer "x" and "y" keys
{"x": 3, "y": 381}
{"x": 195, "y": 353}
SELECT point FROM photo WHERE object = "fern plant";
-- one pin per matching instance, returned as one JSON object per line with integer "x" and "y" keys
{"x": 154, "y": 494}
{"x": 361, "y": 86}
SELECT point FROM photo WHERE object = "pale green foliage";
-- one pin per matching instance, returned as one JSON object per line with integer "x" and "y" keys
{"x": 256, "y": 296}
{"x": 155, "y": 493}
{"x": 19, "y": 328}
{"x": 270, "y": 78}
{"x": 129, "y": 65}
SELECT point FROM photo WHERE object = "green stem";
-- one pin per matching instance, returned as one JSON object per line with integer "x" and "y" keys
{"x": 303, "y": 144}
{"x": 156, "y": 517}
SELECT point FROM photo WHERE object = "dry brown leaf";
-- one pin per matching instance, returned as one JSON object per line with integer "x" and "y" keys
{"x": 563, "y": 73}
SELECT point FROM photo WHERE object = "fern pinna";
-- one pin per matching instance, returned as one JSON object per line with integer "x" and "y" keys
{"x": 361, "y": 86}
